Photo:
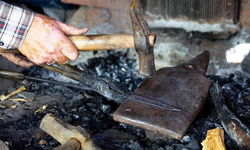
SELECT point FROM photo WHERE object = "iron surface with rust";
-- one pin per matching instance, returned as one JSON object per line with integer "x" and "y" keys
{"x": 141, "y": 36}
{"x": 183, "y": 87}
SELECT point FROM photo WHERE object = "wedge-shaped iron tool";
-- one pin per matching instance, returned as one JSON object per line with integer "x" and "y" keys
{"x": 183, "y": 87}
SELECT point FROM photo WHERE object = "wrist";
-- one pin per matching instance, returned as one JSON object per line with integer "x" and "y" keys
{"x": 14, "y": 25}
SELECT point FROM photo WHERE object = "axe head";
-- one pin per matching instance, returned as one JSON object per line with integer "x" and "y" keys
{"x": 141, "y": 35}
{"x": 183, "y": 87}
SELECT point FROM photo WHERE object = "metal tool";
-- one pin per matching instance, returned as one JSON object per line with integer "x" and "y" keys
{"x": 183, "y": 87}
{"x": 20, "y": 76}
{"x": 142, "y": 40}
{"x": 109, "y": 88}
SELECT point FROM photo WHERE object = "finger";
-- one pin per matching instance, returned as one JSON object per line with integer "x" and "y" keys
{"x": 11, "y": 57}
{"x": 17, "y": 60}
{"x": 62, "y": 59}
{"x": 66, "y": 47}
{"x": 70, "y": 30}
{"x": 24, "y": 63}
{"x": 69, "y": 50}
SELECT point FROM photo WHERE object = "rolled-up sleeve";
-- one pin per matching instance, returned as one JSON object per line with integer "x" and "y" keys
{"x": 14, "y": 25}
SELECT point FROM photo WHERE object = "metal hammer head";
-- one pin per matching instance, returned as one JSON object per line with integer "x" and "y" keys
{"x": 142, "y": 37}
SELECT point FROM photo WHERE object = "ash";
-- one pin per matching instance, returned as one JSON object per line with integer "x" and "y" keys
{"x": 94, "y": 112}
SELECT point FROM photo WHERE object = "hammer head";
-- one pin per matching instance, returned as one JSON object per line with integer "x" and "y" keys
{"x": 142, "y": 40}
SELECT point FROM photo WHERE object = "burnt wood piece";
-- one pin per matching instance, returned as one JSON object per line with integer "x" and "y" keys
{"x": 184, "y": 87}
{"x": 233, "y": 126}
{"x": 109, "y": 88}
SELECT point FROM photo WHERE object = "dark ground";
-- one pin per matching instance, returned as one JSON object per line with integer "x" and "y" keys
{"x": 19, "y": 127}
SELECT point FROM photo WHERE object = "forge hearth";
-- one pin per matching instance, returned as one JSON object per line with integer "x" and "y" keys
{"x": 21, "y": 117}
{"x": 94, "y": 112}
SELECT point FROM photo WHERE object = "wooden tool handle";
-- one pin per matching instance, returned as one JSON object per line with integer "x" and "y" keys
{"x": 106, "y": 42}
{"x": 100, "y": 42}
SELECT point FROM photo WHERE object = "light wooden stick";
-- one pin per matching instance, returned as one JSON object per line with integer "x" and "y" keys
{"x": 19, "y": 90}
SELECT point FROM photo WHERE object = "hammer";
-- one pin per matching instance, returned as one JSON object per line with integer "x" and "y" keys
{"x": 71, "y": 138}
{"x": 142, "y": 40}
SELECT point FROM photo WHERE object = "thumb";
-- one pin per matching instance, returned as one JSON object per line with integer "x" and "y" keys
{"x": 70, "y": 30}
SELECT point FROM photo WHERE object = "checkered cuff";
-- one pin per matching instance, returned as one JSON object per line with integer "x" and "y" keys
{"x": 14, "y": 25}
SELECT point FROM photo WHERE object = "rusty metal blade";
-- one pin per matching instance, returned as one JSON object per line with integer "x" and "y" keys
{"x": 155, "y": 104}
{"x": 182, "y": 87}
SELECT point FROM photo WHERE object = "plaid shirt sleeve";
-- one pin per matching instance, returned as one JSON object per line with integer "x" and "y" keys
{"x": 14, "y": 25}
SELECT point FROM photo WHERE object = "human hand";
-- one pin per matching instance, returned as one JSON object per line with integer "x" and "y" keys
{"x": 47, "y": 41}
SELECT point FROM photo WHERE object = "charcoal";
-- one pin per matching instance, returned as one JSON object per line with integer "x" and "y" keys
{"x": 86, "y": 119}
{"x": 117, "y": 135}
{"x": 29, "y": 96}
{"x": 105, "y": 108}
{"x": 160, "y": 142}
{"x": 193, "y": 144}
{"x": 76, "y": 117}
{"x": 135, "y": 146}
{"x": 94, "y": 112}
{"x": 179, "y": 147}
{"x": 169, "y": 147}
{"x": 82, "y": 110}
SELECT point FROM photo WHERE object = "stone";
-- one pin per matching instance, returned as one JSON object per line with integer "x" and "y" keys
{"x": 3, "y": 146}
{"x": 135, "y": 146}
{"x": 193, "y": 144}
{"x": 78, "y": 19}
{"x": 97, "y": 16}
{"x": 121, "y": 21}
{"x": 111, "y": 4}
{"x": 55, "y": 13}
{"x": 169, "y": 148}
{"x": 29, "y": 96}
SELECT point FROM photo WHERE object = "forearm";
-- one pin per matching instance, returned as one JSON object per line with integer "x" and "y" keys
{"x": 14, "y": 25}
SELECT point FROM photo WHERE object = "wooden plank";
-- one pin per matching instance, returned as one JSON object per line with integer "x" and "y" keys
{"x": 245, "y": 13}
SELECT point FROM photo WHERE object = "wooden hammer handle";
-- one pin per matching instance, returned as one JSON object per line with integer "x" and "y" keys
{"x": 106, "y": 42}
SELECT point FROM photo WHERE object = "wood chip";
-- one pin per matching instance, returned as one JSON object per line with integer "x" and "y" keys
{"x": 214, "y": 140}
{"x": 19, "y": 90}
{"x": 40, "y": 109}
{"x": 19, "y": 100}
{"x": 14, "y": 106}
{"x": 42, "y": 142}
